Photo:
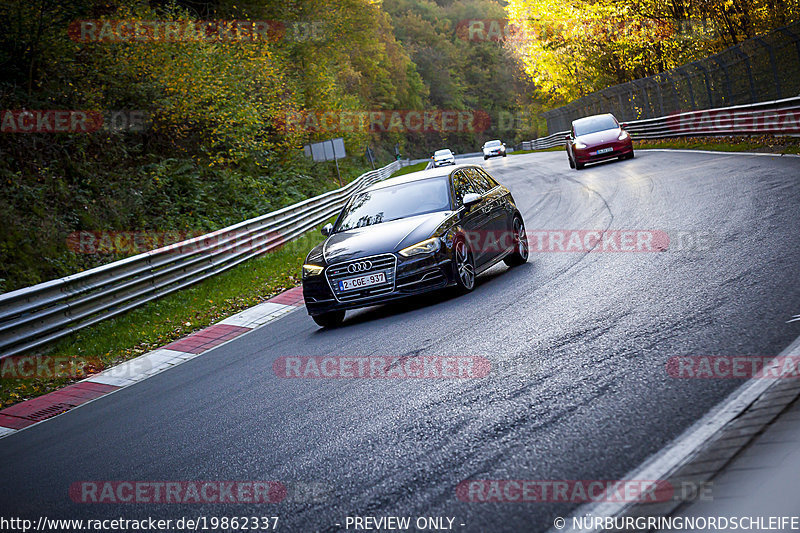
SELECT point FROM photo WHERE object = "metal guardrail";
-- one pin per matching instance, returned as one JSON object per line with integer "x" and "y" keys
{"x": 35, "y": 316}
{"x": 781, "y": 117}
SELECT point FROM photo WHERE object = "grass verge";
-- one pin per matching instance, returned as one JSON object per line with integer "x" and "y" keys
{"x": 160, "y": 322}
{"x": 522, "y": 152}
{"x": 765, "y": 144}
{"x": 416, "y": 167}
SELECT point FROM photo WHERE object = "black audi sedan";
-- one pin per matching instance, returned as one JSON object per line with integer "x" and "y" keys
{"x": 412, "y": 234}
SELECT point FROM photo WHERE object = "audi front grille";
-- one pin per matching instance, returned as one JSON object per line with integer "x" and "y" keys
{"x": 386, "y": 263}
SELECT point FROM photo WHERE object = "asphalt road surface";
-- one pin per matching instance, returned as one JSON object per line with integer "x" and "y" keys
{"x": 578, "y": 344}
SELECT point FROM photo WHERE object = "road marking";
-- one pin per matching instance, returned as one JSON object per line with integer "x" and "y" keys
{"x": 662, "y": 463}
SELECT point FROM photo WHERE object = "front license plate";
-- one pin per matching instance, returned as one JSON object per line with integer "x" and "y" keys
{"x": 604, "y": 150}
{"x": 363, "y": 281}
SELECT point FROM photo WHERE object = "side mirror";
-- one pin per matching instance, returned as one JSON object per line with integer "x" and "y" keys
{"x": 624, "y": 125}
{"x": 327, "y": 229}
{"x": 470, "y": 199}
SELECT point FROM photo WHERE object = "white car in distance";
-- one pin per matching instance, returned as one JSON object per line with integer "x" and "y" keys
{"x": 443, "y": 157}
{"x": 493, "y": 149}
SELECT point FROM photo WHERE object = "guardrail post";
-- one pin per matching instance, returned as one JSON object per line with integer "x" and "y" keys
{"x": 738, "y": 51}
{"x": 704, "y": 70}
{"x": 621, "y": 114}
{"x": 794, "y": 37}
{"x": 645, "y": 97}
{"x": 688, "y": 79}
{"x": 773, "y": 65}
{"x": 728, "y": 94}
{"x": 660, "y": 93}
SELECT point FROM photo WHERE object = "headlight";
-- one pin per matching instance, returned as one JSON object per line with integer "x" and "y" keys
{"x": 622, "y": 136}
{"x": 579, "y": 145}
{"x": 425, "y": 247}
{"x": 312, "y": 270}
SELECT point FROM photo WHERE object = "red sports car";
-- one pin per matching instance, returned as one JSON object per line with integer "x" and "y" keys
{"x": 597, "y": 138}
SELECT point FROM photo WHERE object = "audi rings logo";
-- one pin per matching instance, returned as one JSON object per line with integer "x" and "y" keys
{"x": 361, "y": 266}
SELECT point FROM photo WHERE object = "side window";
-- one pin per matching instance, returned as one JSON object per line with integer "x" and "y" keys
{"x": 478, "y": 183}
{"x": 484, "y": 179}
{"x": 461, "y": 186}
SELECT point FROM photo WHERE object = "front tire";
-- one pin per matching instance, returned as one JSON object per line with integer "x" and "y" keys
{"x": 521, "y": 250}
{"x": 464, "y": 263}
{"x": 329, "y": 320}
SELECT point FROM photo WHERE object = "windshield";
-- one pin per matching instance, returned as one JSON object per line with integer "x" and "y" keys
{"x": 394, "y": 202}
{"x": 585, "y": 126}
{"x": 489, "y": 144}
{"x": 442, "y": 152}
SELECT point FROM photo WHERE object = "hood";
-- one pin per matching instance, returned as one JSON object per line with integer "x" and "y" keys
{"x": 600, "y": 137}
{"x": 385, "y": 237}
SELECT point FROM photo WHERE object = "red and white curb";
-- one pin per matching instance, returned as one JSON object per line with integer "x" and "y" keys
{"x": 42, "y": 408}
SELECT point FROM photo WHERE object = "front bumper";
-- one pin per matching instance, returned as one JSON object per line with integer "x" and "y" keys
{"x": 415, "y": 275}
{"x": 590, "y": 155}
{"x": 444, "y": 162}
